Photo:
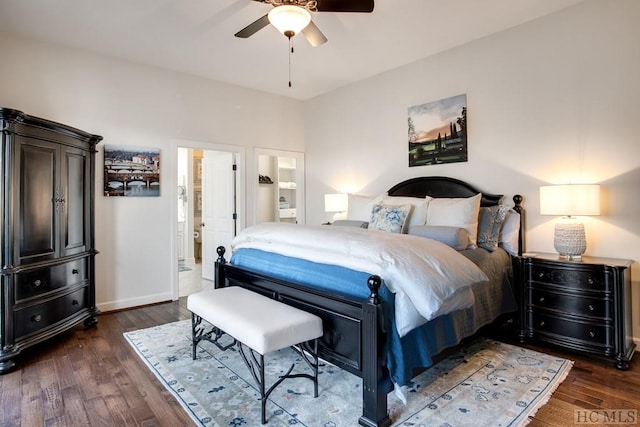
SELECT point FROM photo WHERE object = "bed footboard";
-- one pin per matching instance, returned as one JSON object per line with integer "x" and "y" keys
{"x": 353, "y": 330}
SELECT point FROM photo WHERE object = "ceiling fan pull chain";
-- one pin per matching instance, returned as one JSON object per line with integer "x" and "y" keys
{"x": 290, "y": 52}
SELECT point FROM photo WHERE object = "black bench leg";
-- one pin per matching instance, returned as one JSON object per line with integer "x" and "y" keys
{"x": 256, "y": 364}
{"x": 263, "y": 397}
{"x": 194, "y": 341}
{"x": 256, "y": 369}
{"x": 315, "y": 367}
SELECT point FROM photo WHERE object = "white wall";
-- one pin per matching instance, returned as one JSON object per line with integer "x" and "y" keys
{"x": 555, "y": 100}
{"x": 552, "y": 101}
{"x": 130, "y": 104}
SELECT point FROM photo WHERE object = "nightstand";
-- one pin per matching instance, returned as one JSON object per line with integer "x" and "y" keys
{"x": 581, "y": 305}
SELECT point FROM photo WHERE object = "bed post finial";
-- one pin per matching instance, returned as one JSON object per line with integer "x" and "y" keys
{"x": 219, "y": 270}
{"x": 517, "y": 200}
{"x": 374, "y": 282}
{"x": 221, "y": 250}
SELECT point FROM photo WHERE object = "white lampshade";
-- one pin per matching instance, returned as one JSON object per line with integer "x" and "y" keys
{"x": 336, "y": 202}
{"x": 568, "y": 200}
{"x": 289, "y": 20}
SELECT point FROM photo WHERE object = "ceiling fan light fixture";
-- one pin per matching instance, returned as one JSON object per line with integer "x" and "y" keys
{"x": 289, "y": 20}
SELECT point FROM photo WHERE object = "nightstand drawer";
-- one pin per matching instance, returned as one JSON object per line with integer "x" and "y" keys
{"x": 572, "y": 304}
{"x": 583, "y": 331}
{"x": 569, "y": 277}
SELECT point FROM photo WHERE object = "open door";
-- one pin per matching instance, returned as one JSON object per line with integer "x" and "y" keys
{"x": 218, "y": 207}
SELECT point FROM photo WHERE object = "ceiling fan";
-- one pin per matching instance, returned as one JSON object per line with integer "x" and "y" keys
{"x": 292, "y": 16}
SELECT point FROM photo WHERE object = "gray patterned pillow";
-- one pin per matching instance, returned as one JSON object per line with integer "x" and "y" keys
{"x": 490, "y": 222}
{"x": 389, "y": 218}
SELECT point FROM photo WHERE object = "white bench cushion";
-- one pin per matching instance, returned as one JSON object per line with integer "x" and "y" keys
{"x": 257, "y": 321}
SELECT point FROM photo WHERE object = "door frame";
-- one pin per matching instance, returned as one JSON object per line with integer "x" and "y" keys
{"x": 241, "y": 164}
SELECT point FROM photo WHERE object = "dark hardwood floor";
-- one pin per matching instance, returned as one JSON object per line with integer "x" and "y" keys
{"x": 93, "y": 377}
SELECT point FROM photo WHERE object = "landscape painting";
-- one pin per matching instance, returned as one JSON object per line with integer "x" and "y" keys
{"x": 131, "y": 171}
{"x": 438, "y": 132}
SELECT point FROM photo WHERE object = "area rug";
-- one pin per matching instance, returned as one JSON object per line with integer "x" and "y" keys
{"x": 487, "y": 383}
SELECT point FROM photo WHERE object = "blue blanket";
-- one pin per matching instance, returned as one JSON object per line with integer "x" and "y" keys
{"x": 414, "y": 350}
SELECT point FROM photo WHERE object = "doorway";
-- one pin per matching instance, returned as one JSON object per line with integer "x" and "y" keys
{"x": 210, "y": 210}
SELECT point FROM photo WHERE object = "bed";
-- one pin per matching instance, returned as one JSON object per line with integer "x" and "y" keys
{"x": 359, "y": 311}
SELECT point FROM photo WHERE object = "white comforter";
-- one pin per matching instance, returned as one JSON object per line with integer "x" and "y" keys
{"x": 428, "y": 277}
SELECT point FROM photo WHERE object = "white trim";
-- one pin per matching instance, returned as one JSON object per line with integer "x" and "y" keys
{"x": 134, "y": 302}
{"x": 240, "y": 157}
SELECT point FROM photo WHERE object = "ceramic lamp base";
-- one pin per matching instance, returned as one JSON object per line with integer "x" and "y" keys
{"x": 569, "y": 238}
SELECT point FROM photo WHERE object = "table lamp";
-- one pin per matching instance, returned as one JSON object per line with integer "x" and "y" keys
{"x": 570, "y": 201}
{"x": 337, "y": 203}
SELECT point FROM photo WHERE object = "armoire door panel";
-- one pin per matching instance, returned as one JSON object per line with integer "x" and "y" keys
{"x": 37, "y": 202}
{"x": 75, "y": 183}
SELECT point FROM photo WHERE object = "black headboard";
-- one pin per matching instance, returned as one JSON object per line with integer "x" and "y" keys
{"x": 442, "y": 186}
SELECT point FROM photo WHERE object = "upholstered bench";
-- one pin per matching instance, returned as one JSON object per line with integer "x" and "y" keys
{"x": 260, "y": 323}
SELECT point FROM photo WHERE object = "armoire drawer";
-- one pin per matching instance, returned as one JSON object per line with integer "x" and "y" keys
{"x": 600, "y": 335}
{"x": 573, "y": 304}
{"x": 39, "y": 316}
{"x": 573, "y": 278}
{"x": 41, "y": 281}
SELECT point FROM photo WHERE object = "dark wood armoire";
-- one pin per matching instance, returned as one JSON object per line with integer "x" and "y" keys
{"x": 47, "y": 219}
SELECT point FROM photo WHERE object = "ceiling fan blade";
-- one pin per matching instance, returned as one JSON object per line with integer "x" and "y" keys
{"x": 364, "y": 6}
{"x": 253, "y": 28}
{"x": 314, "y": 35}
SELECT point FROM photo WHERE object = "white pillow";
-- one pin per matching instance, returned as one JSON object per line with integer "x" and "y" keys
{"x": 359, "y": 208}
{"x": 509, "y": 232}
{"x": 418, "y": 215}
{"x": 456, "y": 212}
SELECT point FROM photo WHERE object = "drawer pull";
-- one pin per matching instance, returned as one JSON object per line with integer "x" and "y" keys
{"x": 37, "y": 282}
{"x": 542, "y": 323}
{"x": 36, "y": 318}
{"x": 75, "y": 271}
{"x": 591, "y": 307}
{"x": 541, "y": 275}
{"x": 541, "y": 299}
{"x": 590, "y": 281}
{"x": 75, "y": 302}
{"x": 592, "y": 334}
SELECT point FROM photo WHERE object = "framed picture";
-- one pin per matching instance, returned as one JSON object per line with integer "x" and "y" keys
{"x": 438, "y": 132}
{"x": 131, "y": 171}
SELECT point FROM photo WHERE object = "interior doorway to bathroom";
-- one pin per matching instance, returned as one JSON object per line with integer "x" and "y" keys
{"x": 208, "y": 212}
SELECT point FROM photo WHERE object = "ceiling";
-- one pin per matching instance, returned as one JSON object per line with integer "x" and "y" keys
{"x": 196, "y": 36}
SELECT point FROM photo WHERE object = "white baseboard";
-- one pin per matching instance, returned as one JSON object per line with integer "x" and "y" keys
{"x": 134, "y": 302}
